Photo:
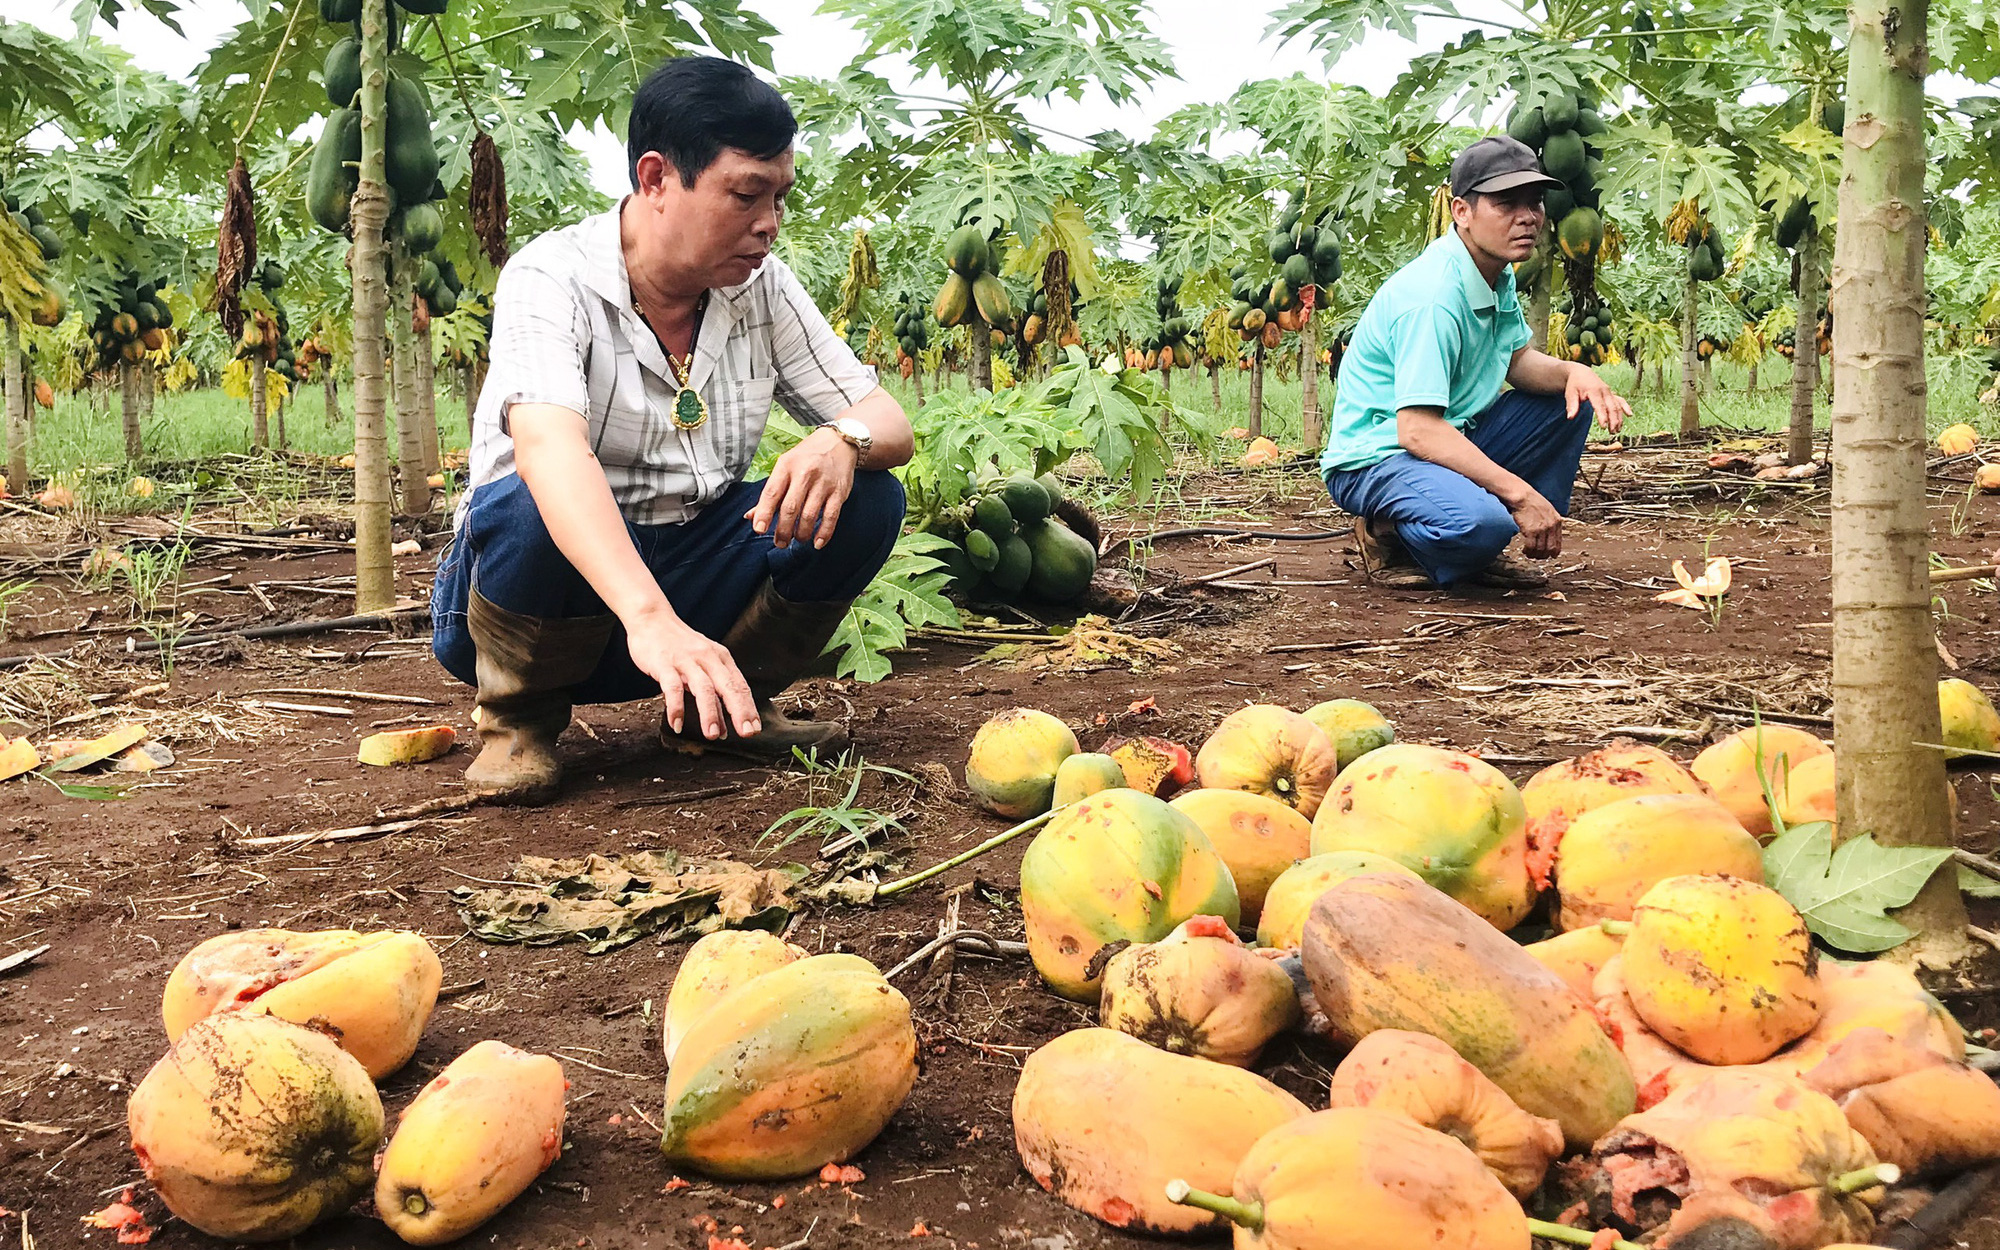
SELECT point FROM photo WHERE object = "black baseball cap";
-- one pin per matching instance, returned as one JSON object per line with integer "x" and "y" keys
{"x": 1499, "y": 163}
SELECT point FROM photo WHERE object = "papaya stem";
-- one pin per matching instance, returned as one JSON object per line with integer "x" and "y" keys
{"x": 1865, "y": 1178}
{"x": 996, "y": 841}
{"x": 1615, "y": 928}
{"x": 1575, "y": 1236}
{"x": 1248, "y": 1215}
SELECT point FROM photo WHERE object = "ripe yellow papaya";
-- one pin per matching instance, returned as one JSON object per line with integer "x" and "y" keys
{"x": 1807, "y": 794}
{"x": 1970, "y": 723}
{"x": 1567, "y": 789}
{"x": 1153, "y": 766}
{"x": 1257, "y": 836}
{"x": 1117, "y": 866}
{"x": 792, "y": 1070}
{"x": 253, "y": 1129}
{"x": 470, "y": 1142}
{"x": 1084, "y": 774}
{"x": 1386, "y": 952}
{"x": 954, "y": 300}
{"x": 1011, "y": 769}
{"x": 1423, "y": 1078}
{"x": 375, "y": 990}
{"x": 1722, "y": 968}
{"x": 1354, "y": 728}
{"x": 713, "y": 966}
{"x": 1103, "y": 1121}
{"x": 1454, "y": 819}
{"x": 1578, "y": 956}
{"x": 1272, "y": 751}
{"x": 1957, "y": 440}
{"x": 1730, "y": 769}
{"x": 1361, "y": 1178}
{"x": 1290, "y": 898}
{"x": 1615, "y": 853}
{"x": 1199, "y": 991}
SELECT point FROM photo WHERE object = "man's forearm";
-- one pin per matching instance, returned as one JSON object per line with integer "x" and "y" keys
{"x": 1425, "y": 434}
{"x": 576, "y": 504}
{"x": 1538, "y": 373}
{"x": 892, "y": 441}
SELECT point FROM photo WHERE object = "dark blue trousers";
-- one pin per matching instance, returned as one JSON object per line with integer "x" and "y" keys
{"x": 709, "y": 568}
{"x": 1453, "y": 526}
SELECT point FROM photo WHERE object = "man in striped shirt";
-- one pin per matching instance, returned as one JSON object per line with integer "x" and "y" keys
{"x": 610, "y": 548}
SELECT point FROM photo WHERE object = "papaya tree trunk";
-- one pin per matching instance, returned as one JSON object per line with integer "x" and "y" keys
{"x": 979, "y": 339}
{"x": 148, "y": 387}
{"x": 1805, "y": 352}
{"x": 1311, "y": 421}
{"x": 374, "y": 569}
{"x": 1690, "y": 364}
{"x": 18, "y": 403}
{"x": 128, "y": 408}
{"x": 260, "y": 394}
{"x": 1660, "y": 378}
{"x": 1538, "y": 311}
{"x": 332, "y": 390}
{"x": 283, "y": 401}
{"x": 1255, "y": 424}
{"x": 427, "y": 421}
{"x": 414, "y": 493}
{"x": 1884, "y": 653}
{"x": 1751, "y": 385}
{"x": 1215, "y": 385}
{"x": 917, "y": 378}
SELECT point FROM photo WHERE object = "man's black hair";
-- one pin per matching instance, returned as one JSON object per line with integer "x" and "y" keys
{"x": 692, "y": 107}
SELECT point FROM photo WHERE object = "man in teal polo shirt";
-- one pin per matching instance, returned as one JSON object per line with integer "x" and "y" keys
{"x": 1439, "y": 466}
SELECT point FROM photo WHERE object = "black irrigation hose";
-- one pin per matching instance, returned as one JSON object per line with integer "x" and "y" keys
{"x": 381, "y": 622}
{"x": 1217, "y": 531}
{"x": 1937, "y": 1217}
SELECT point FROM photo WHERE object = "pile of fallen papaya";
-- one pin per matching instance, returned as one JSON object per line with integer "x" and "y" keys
{"x": 1679, "y": 1064}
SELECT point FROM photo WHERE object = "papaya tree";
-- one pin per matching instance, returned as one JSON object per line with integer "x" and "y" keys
{"x": 1884, "y": 657}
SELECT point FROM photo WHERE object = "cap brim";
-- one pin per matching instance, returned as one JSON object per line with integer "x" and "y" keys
{"x": 1516, "y": 180}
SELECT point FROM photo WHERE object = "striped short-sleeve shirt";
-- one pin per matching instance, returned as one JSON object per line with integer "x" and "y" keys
{"x": 565, "y": 332}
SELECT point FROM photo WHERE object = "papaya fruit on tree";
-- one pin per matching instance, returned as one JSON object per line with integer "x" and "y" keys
{"x": 410, "y": 157}
{"x": 342, "y": 72}
{"x": 335, "y": 170}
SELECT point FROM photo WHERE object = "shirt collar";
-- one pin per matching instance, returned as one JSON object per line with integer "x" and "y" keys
{"x": 604, "y": 265}
{"x": 1478, "y": 294}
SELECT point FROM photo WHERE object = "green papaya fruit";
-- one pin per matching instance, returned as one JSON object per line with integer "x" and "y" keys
{"x": 1529, "y": 126}
{"x": 1237, "y": 311}
{"x": 1796, "y": 222}
{"x": 339, "y": 10}
{"x": 448, "y": 277}
{"x": 1064, "y": 561}
{"x": 1288, "y": 221}
{"x": 1298, "y": 272}
{"x": 444, "y": 303}
{"x": 271, "y": 276}
{"x": 342, "y": 72}
{"x": 1025, "y": 499}
{"x": 992, "y": 516}
{"x": 334, "y": 171}
{"x": 954, "y": 300}
{"x": 1589, "y": 123}
{"x": 1581, "y": 234}
{"x": 990, "y": 297}
{"x": 1833, "y": 116}
{"x": 1278, "y": 244}
{"x": 982, "y": 550}
{"x": 1557, "y": 202}
{"x": 1052, "y": 485}
{"x": 965, "y": 253}
{"x": 410, "y": 157}
{"x": 423, "y": 227}
{"x": 425, "y": 281}
{"x": 1563, "y": 156}
{"x": 1016, "y": 564}
{"x": 79, "y": 221}
{"x": 50, "y": 243}
{"x": 163, "y": 314}
{"x": 423, "y": 8}
{"x": 1282, "y": 296}
{"x": 1702, "y": 266}
{"x": 1560, "y": 111}
{"x": 1303, "y": 240}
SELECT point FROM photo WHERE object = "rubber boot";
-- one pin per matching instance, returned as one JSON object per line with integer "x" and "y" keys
{"x": 528, "y": 666}
{"x": 774, "y": 643}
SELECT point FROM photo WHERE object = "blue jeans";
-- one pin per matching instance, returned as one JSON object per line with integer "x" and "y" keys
{"x": 709, "y": 568}
{"x": 1453, "y": 526}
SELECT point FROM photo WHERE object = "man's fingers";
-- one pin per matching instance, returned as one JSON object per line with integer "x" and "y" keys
{"x": 829, "y": 517}
{"x": 735, "y": 695}
{"x": 788, "y": 512}
{"x": 1570, "y": 398}
{"x": 768, "y": 499}
{"x": 673, "y": 693}
{"x": 707, "y": 706}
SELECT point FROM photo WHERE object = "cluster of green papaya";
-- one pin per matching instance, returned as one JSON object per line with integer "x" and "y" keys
{"x": 410, "y": 156}
{"x": 46, "y": 300}
{"x": 1170, "y": 348}
{"x": 1011, "y": 543}
{"x": 132, "y": 322}
{"x": 973, "y": 286}
{"x": 436, "y": 280}
{"x": 1566, "y": 130}
{"x": 912, "y": 330}
{"x": 1589, "y": 334}
{"x": 1706, "y": 256}
{"x": 1786, "y": 343}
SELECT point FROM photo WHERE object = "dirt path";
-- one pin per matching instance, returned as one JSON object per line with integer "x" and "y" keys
{"x": 121, "y": 890}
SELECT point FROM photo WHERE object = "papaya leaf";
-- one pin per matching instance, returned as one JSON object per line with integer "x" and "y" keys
{"x": 1977, "y": 884}
{"x": 907, "y": 594}
{"x": 1844, "y": 892}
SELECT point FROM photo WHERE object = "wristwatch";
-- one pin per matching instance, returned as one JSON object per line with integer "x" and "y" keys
{"x": 855, "y": 435}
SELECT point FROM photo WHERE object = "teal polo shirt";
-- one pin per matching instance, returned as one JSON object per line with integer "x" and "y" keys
{"x": 1435, "y": 336}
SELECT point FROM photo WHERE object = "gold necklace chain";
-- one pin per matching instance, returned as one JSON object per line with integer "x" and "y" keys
{"x": 690, "y": 410}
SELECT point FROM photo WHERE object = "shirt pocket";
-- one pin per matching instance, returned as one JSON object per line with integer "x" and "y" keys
{"x": 748, "y": 403}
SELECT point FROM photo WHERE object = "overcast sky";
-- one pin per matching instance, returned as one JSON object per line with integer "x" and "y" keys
{"x": 1214, "y": 54}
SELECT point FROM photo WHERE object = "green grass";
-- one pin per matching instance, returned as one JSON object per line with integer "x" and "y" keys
{"x": 197, "y": 425}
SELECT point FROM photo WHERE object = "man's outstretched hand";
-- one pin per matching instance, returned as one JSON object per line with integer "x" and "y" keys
{"x": 1583, "y": 386}
{"x": 808, "y": 486}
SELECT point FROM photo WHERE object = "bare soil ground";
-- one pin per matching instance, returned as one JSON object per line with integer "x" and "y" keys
{"x": 119, "y": 890}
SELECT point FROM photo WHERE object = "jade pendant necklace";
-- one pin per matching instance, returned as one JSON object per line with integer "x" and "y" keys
{"x": 689, "y": 410}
